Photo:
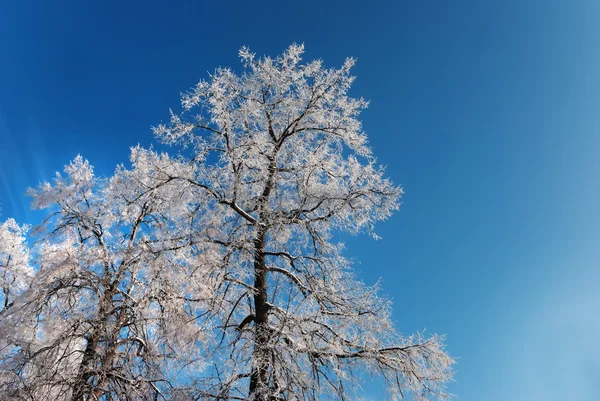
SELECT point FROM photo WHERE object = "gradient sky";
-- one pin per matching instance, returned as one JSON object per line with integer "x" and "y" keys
{"x": 486, "y": 112}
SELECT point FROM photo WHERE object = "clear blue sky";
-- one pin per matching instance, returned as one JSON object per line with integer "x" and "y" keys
{"x": 485, "y": 112}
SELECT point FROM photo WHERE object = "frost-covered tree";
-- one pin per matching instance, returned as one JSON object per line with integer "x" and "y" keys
{"x": 217, "y": 274}
{"x": 102, "y": 319}
{"x": 279, "y": 166}
{"x": 15, "y": 269}
{"x": 15, "y": 274}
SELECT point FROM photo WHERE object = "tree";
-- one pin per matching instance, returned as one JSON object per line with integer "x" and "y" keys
{"x": 216, "y": 274}
{"x": 100, "y": 321}
{"x": 279, "y": 166}
{"x": 15, "y": 269}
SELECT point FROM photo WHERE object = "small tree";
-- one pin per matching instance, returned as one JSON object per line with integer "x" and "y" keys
{"x": 279, "y": 164}
{"x": 15, "y": 269}
{"x": 15, "y": 273}
{"x": 106, "y": 317}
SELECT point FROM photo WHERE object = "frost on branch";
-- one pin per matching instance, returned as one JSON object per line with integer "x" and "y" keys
{"x": 15, "y": 269}
{"x": 279, "y": 163}
{"x": 214, "y": 274}
{"x": 109, "y": 313}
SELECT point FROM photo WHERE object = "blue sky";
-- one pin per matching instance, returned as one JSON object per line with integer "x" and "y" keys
{"x": 485, "y": 112}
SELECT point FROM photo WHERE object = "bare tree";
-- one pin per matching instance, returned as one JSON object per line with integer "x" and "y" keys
{"x": 15, "y": 269}
{"x": 218, "y": 274}
{"x": 15, "y": 273}
{"x": 279, "y": 165}
{"x": 101, "y": 321}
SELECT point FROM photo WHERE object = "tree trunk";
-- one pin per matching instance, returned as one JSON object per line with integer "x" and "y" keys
{"x": 84, "y": 391}
{"x": 81, "y": 387}
{"x": 260, "y": 357}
